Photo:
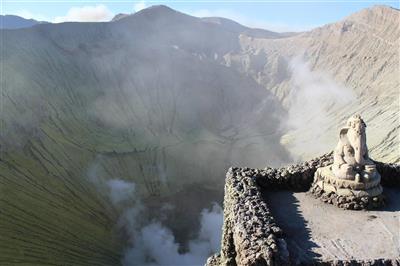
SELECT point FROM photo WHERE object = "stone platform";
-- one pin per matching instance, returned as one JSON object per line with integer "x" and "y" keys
{"x": 254, "y": 233}
{"x": 321, "y": 232}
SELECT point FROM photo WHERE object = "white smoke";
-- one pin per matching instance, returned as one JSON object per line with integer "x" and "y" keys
{"x": 155, "y": 244}
{"x": 150, "y": 242}
{"x": 313, "y": 103}
{"x": 120, "y": 190}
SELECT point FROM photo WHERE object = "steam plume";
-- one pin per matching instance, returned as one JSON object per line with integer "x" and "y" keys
{"x": 313, "y": 100}
{"x": 151, "y": 242}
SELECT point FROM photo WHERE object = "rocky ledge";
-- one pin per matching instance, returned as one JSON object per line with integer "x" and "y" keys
{"x": 250, "y": 234}
{"x": 348, "y": 202}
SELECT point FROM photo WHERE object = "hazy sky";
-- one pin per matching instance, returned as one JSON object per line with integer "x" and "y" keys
{"x": 289, "y": 15}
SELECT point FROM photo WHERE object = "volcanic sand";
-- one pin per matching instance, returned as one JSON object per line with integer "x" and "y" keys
{"x": 315, "y": 230}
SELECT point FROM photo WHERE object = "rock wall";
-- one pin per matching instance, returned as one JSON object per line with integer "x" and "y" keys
{"x": 250, "y": 234}
{"x": 389, "y": 173}
{"x": 294, "y": 177}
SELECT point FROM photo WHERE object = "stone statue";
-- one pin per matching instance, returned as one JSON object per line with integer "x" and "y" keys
{"x": 350, "y": 156}
{"x": 352, "y": 181}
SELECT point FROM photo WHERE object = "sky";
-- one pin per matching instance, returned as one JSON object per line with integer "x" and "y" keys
{"x": 284, "y": 15}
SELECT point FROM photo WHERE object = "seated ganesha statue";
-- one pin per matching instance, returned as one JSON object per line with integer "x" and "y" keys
{"x": 352, "y": 181}
{"x": 351, "y": 161}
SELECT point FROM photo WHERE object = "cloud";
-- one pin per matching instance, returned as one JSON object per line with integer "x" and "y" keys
{"x": 250, "y": 22}
{"x": 96, "y": 13}
{"x": 139, "y": 6}
{"x": 100, "y": 12}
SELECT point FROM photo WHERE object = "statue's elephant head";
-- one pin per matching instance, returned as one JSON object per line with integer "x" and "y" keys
{"x": 354, "y": 134}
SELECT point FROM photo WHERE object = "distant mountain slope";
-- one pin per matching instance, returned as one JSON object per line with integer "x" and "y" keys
{"x": 16, "y": 22}
{"x": 119, "y": 16}
{"x": 169, "y": 101}
{"x": 360, "y": 52}
{"x": 233, "y": 26}
{"x": 136, "y": 99}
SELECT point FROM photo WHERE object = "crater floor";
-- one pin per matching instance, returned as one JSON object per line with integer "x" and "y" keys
{"x": 315, "y": 230}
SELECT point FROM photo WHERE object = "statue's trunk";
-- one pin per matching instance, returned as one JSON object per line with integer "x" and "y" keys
{"x": 359, "y": 151}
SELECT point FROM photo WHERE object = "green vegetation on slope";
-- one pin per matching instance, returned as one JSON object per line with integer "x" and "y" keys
{"x": 89, "y": 102}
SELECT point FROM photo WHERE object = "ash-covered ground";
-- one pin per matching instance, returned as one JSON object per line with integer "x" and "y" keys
{"x": 315, "y": 230}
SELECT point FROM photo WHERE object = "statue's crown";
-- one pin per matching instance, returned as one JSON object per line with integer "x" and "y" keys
{"x": 355, "y": 119}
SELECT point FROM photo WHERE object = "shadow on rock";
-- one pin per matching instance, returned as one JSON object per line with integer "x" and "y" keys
{"x": 392, "y": 199}
{"x": 285, "y": 209}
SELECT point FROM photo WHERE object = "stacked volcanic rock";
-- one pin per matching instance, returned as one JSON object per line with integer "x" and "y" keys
{"x": 371, "y": 262}
{"x": 250, "y": 234}
{"x": 390, "y": 174}
{"x": 348, "y": 202}
{"x": 294, "y": 177}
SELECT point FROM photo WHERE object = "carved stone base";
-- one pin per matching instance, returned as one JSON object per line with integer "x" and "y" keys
{"x": 347, "y": 194}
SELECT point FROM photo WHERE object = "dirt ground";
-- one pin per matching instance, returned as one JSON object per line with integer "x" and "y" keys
{"x": 315, "y": 230}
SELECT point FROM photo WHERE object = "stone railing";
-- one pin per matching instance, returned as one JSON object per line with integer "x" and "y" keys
{"x": 250, "y": 234}
{"x": 389, "y": 173}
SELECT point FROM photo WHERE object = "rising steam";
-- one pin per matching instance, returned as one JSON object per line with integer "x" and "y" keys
{"x": 149, "y": 241}
{"x": 154, "y": 244}
{"x": 312, "y": 103}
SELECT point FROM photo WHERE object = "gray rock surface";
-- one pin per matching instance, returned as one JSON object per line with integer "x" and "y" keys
{"x": 251, "y": 235}
{"x": 315, "y": 230}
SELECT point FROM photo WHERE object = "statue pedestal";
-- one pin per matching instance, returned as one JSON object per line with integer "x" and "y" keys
{"x": 347, "y": 194}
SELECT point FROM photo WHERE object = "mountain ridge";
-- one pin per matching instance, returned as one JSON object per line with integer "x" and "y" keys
{"x": 17, "y": 22}
{"x": 167, "y": 102}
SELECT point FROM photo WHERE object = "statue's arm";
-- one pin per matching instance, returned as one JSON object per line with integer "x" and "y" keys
{"x": 367, "y": 160}
{"x": 338, "y": 155}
